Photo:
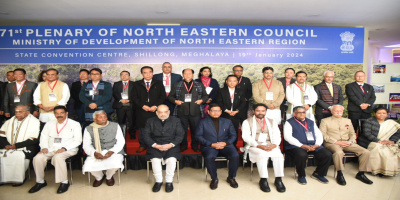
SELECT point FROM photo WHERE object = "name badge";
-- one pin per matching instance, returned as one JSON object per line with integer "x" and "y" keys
{"x": 124, "y": 95}
{"x": 52, "y": 97}
{"x": 262, "y": 137}
{"x": 17, "y": 98}
{"x": 57, "y": 140}
{"x": 269, "y": 96}
{"x": 188, "y": 97}
{"x": 167, "y": 89}
{"x": 209, "y": 89}
{"x": 310, "y": 136}
{"x": 305, "y": 96}
{"x": 93, "y": 92}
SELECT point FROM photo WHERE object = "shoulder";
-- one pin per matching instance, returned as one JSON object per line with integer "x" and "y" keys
{"x": 73, "y": 122}
{"x": 350, "y": 84}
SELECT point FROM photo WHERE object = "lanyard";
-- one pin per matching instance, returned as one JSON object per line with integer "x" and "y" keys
{"x": 240, "y": 79}
{"x": 59, "y": 131}
{"x": 305, "y": 127}
{"x": 262, "y": 126}
{"x": 95, "y": 88}
{"x": 189, "y": 88}
{"x": 124, "y": 87}
{"x": 305, "y": 87}
{"x": 22, "y": 85}
{"x": 83, "y": 82}
{"x": 267, "y": 84}
{"x": 53, "y": 86}
{"x": 148, "y": 87}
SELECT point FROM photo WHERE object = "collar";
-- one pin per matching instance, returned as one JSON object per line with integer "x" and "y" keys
{"x": 63, "y": 121}
{"x": 147, "y": 81}
{"x": 300, "y": 120}
{"x": 360, "y": 84}
{"x": 164, "y": 74}
{"x": 231, "y": 90}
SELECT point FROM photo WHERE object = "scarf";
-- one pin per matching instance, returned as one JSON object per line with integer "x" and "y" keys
{"x": 326, "y": 95}
{"x": 206, "y": 81}
{"x": 386, "y": 130}
{"x": 96, "y": 135}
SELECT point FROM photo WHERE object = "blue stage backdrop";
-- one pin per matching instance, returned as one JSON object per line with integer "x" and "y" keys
{"x": 180, "y": 44}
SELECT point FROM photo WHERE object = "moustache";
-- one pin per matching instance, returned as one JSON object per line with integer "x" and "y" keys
{"x": 60, "y": 117}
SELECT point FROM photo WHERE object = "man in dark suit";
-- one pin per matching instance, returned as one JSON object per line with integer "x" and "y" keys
{"x": 244, "y": 85}
{"x": 75, "y": 90}
{"x": 147, "y": 95}
{"x": 329, "y": 94}
{"x": 10, "y": 79}
{"x": 123, "y": 102}
{"x": 188, "y": 95}
{"x": 96, "y": 95}
{"x": 169, "y": 79}
{"x": 19, "y": 92}
{"x": 232, "y": 102}
{"x": 286, "y": 81}
{"x": 361, "y": 98}
{"x": 216, "y": 136}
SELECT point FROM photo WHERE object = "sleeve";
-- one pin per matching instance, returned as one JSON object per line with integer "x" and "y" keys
{"x": 36, "y": 96}
{"x": 146, "y": 135}
{"x": 232, "y": 133}
{"x": 372, "y": 98}
{"x": 66, "y": 94}
{"x": 214, "y": 92}
{"x": 288, "y": 136}
{"x": 367, "y": 130}
{"x": 34, "y": 130}
{"x": 281, "y": 95}
{"x": 324, "y": 129}
{"x": 87, "y": 144}
{"x": 352, "y": 133}
{"x": 395, "y": 137}
{"x": 116, "y": 94}
{"x": 172, "y": 94}
{"x": 290, "y": 97}
{"x": 163, "y": 95}
{"x": 204, "y": 95}
{"x": 220, "y": 101}
{"x": 256, "y": 93}
{"x": 246, "y": 134}
{"x": 352, "y": 96}
{"x": 82, "y": 96}
{"x": 242, "y": 105}
{"x": 277, "y": 134}
{"x": 179, "y": 133}
{"x": 6, "y": 99}
{"x": 119, "y": 146}
{"x": 249, "y": 93}
{"x": 77, "y": 130}
{"x": 314, "y": 96}
{"x": 107, "y": 95}
{"x": 321, "y": 102}
{"x": 319, "y": 139}
{"x": 44, "y": 137}
{"x": 73, "y": 93}
{"x": 341, "y": 98}
{"x": 199, "y": 134}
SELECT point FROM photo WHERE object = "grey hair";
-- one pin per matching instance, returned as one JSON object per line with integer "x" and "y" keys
{"x": 337, "y": 105}
{"x": 98, "y": 112}
{"x": 298, "y": 107}
{"x": 329, "y": 71}
{"x": 28, "y": 108}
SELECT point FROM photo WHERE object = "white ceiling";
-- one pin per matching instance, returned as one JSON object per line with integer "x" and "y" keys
{"x": 380, "y": 17}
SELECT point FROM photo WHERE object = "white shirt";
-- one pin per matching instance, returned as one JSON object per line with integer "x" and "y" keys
{"x": 165, "y": 79}
{"x": 89, "y": 148}
{"x": 71, "y": 135}
{"x": 287, "y": 134}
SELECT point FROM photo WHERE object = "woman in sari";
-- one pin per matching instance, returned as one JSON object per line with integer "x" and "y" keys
{"x": 381, "y": 137}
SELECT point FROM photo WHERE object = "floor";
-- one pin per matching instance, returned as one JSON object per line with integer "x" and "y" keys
{"x": 192, "y": 185}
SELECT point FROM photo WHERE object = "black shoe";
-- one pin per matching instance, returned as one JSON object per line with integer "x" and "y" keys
{"x": 157, "y": 187}
{"x": 340, "y": 180}
{"x": 363, "y": 179}
{"x": 169, "y": 187}
{"x": 232, "y": 182}
{"x": 195, "y": 149}
{"x": 37, "y": 187}
{"x": 264, "y": 185}
{"x": 183, "y": 149}
{"x": 280, "y": 186}
{"x": 214, "y": 184}
{"x": 63, "y": 188}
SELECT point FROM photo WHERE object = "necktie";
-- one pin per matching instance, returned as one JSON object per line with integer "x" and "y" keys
{"x": 148, "y": 84}
{"x": 167, "y": 80}
{"x": 124, "y": 83}
{"x": 330, "y": 89}
{"x": 362, "y": 88}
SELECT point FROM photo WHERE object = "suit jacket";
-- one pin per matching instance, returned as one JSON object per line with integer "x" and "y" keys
{"x": 141, "y": 97}
{"x": 239, "y": 102}
{"x": 206, "y": 133}
{"x": 283, "y": 81}
{"x": 2, "y": 93}
{"x": 321, "y": 104}
{"x": 370, "y": 130}
{"x": 214, "y": 92}
{"x": 117, "y": 90}
{"x": 75, "y": 90}
{"x": 357, "y": 97}
{"x": 174, "y": 78}
{"x": 105, "y": 101}
{"x": 26, "y": 97}
{"x": 337, "y": 129}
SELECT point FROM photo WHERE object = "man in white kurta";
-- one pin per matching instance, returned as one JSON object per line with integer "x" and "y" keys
{"x": 263, "y": 137}
{"x": 103, "y": 142}
{"x": 18, "y": 144}
{"x": 300, "y": 93}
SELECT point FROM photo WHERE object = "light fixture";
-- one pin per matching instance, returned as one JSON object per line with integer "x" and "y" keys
{"x": 393, "y": 46}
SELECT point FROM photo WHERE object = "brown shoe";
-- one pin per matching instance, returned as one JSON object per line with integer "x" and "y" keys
{"x": 141, "y": 149}
{"x": 110, "y": 182}
{"x": 97, "y": 183}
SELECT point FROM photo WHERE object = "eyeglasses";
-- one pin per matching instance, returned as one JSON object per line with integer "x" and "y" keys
{"x": 301, "y": 112}
{"x": 238, "y": 70}
{"x": 268, "y": 72}
{"x": 215, "y": 110}
{"x": 125, "y": 75}
{"x": 95, "y": 74}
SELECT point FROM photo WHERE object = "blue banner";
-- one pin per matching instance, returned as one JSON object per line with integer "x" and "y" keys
{"x": 180, "y": 44}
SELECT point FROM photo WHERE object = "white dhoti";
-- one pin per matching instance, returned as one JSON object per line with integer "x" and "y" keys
{"x": 274, "y": 114}
{"x": 261, "y": 157}
{"x": 96, "y": 166}
{"x": 13, "y": 167}
{"x": 156, "y": 164}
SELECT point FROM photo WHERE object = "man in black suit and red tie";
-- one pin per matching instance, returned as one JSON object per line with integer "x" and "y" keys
{"x": 169, "y": 79}
{"x": 361, "y": 98}
{"x": 123, "y": 102}
{"x": 75, "y": 89}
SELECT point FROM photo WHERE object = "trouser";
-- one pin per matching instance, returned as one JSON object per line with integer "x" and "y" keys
{"x": 192, "y": 121}
{"x": 278, "y": 164}
{"x": 156, "y": 164}
{"x": 98, "y": 175}
{"x": 141, "y": 139}
{"x": 362, "y": 153}
{"x": 81, "y": 114}
{"x": 229, "y": 152}
{"x": 355, "y": 116}
{"x": 319, "y": 117}
{"x": 125, "y": 115}
{"x": 300, "y": 155}
{"x": 57, "y": 160}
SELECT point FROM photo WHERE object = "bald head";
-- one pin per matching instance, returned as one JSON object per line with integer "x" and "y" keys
{"x": 162, "y": 112}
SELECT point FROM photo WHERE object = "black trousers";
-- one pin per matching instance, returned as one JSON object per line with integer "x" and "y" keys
{"x": 355, "y": 116}
{"x": 191, "y": 121}
{"x": 229, "y": 152}
{"x": 126, "y": 116}
{"x": 322, "y": 116}
{"x": 300, "y": 155}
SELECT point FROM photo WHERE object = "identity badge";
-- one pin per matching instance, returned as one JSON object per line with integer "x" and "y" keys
{"x": 188, "y": 97}
{"x": 124, "y": 95}
{"x": 52, "y": 97}
{"x": 269, "y": 96}
{"x": 17, "y": 98}
{"x": 310, "y": 136}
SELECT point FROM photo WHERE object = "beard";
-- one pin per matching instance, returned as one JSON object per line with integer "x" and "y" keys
{"x": 260, "y": 116}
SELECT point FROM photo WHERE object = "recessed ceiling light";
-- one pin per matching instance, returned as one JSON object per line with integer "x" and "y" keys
{"x": 162, "y": 12}
{"x": 393, "y": 46}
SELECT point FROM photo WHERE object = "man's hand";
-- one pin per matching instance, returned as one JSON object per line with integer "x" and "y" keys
{"x": 364, "y": 106}
{"x": 146, "y": 108}
{"x": 153, "y": 109}
{"x": 98, "y": 155}
{"x": 270, "y": 106}
{"x": 178, "y": 102}
{"x": 314, "y": 147}
{"x": 8, "y": 147}
{"x": 307, "y": 147}
{"x": 209, "y": 100}
{"x": 199, "y": 102}
{"x": 60, "y": 150}
{"x": 165, "y": 147}
{"x": 343, "y": 144}
{"x": 93, "y": 106}
{"x": 124, "y": 101}
{"x": 2, "y": 132}
{"x": 1, "y": 112}
{"x": 306, "y": 106}
{"x": 218, "y": 145}
{"x": 44, "y": 151}
{"x": 233, "y": 113}
{"x": 108, "y": 154}
{"x": 35, "y": 113}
